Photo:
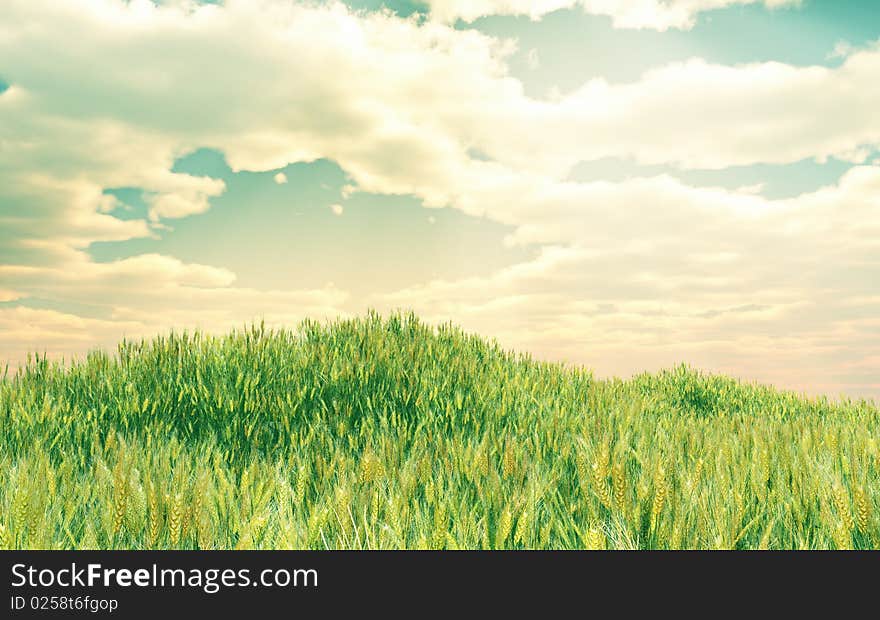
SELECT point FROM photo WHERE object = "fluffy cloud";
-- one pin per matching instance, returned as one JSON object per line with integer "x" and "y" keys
{"x": 653, "y": 14}
{"x": 397, "y": 103}
{"x": 698, "y": 115}
{"x": 185, "y": 195}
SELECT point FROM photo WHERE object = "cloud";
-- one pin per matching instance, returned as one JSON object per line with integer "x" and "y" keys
{"x": 641, "y": 14}
{"x": 187, "y": 195}
{"x": 696, "y": 115}
{"x": 842, "y": 49}
{"x": 398, "y": 104}
{"x": 150, "y": 282}
{"x": 533, "y": 60}
{"x": 336, "y": 209}
{"x": 280, "y": 178}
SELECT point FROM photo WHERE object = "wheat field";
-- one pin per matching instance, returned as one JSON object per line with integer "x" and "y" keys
{"x": 379, "y": 433}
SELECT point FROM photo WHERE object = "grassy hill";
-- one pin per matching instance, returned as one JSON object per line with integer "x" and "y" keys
{"x": 388, "y": 433}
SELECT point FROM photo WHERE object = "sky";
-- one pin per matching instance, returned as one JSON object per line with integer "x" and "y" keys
{"x": 627, "y": 185}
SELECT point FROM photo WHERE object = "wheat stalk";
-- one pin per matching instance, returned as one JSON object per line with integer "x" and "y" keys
{"x": 120, "y": 498}
{"x": 863, "y": 509}
{"x": 175, "y": 514}
{"x": 841, "y": 502}
{"x": 660, "y": 492}
{"x": 505, "y": 522}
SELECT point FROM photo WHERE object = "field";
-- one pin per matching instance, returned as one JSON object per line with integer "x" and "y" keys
{"x": 389, "y": 433}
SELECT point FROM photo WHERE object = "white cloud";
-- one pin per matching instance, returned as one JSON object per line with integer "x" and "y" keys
{"x": 533, "y": 60}
{"x": 696, "y": 115}
{"x": 336, "y": 209}
{"x": 842, "y": 49}
{"x": 648, "y": 14}
{"x": 187, "y": 196}
{"x": 396, "y": 103}
{"x": 8, "y": 295}
{"x": 280, "y": 178}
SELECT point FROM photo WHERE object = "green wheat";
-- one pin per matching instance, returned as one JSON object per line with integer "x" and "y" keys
{"x": 389, "y": 433}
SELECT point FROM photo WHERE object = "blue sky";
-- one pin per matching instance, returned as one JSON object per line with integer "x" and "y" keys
{"x": 298, "y": 238}
{"x": 625, "y": 185}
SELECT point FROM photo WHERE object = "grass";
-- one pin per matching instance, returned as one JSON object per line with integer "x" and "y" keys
{"x": 388, "y": 433}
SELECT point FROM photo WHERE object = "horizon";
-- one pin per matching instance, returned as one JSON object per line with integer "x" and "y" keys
{"x": 269, "y": 330}
{"x": 625, "y": 187}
